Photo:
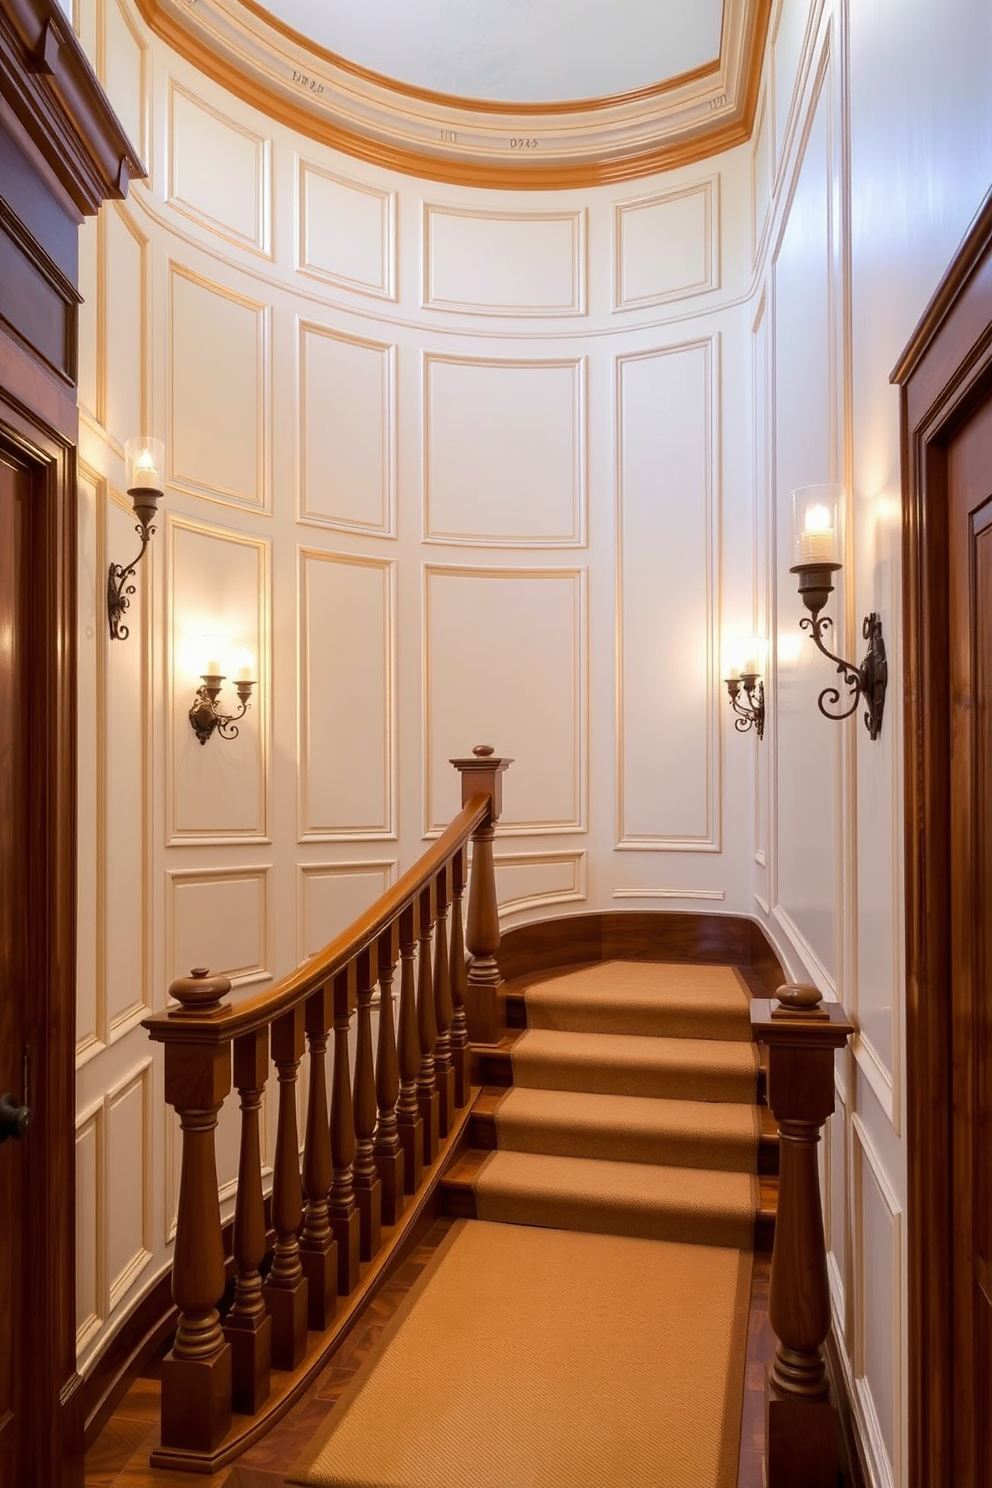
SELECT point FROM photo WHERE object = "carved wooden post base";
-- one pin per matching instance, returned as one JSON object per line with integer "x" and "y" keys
{"x": 484, "y": 1008}
{"x": 411, "y": 1133}
{"x": 196, "y": 1401}
{"x": 802, "y": 1035}
{"x": 801, "y": 1442}
{"x": 251, "y": 1361}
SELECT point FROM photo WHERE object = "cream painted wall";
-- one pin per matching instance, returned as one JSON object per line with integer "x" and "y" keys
{"x": 467, "y": 466}
{"x": 873, "y": 151}
{"x": 458, "y": 467}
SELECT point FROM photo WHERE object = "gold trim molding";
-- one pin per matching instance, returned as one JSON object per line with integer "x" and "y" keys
{"x": 466, "y": 142}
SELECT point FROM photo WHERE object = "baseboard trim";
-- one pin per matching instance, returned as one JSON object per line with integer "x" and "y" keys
{"x": 852, "y": 1454}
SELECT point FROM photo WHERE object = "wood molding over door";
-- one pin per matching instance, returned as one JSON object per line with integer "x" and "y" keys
{"x": 946, "y": 401}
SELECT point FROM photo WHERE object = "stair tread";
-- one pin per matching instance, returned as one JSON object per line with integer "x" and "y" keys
{"x": 636, "y": 1064}
{"x": 492, "y": 1095}
{"x": 643, "y": 998}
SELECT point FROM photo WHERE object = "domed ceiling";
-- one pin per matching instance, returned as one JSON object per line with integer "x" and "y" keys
{"x": 517, "y": 93}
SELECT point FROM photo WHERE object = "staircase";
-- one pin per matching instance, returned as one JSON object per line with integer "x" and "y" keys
{"x": 627, "y": 1099}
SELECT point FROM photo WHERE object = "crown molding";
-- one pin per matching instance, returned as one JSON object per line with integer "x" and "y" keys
{"x": 54, "y": 106}
{"x": 467, "y": 142}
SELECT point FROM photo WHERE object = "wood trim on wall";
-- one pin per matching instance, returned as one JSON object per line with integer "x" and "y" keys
{"x": 647, "y": 935}
{"x": 56, "y": 106}
{"x": 945, "y": 369}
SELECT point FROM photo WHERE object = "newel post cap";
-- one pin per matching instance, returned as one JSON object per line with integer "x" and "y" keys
{"x": 483, "y": 774}
{"x": 199, "y": 993}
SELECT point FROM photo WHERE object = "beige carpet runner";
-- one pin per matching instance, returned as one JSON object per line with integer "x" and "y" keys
{"x": 632, "y": 1108}
{"x": 529, "y": 1358}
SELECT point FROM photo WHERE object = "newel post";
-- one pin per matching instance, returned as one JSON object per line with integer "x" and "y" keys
{"x": 483, "y": 775}
{"x": 196, "y": 1373}
{"x": 802, "y": 1427}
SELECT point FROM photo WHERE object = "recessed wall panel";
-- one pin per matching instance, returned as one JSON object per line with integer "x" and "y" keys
{"x": 124, "y": 310}
{"x": 347, "y": 440}
{"x": 668, "y": 740}
{"x": 878, "y": 1305}
{"x": 667, "y": 246}
{"x": 805, "y": 452}
{"x": 506, "y": 665}
{"x": 504, "y": 263}
{"x": 90, "y": 1237}
{"x": 124, "y": 731}
{"x": 218, "y": 390}
{"x": 504, "y": 452}
{"x": 123, "y": 72}
{"x": 346, "y": 232}
{"x": 219, "y": 918}
{"x": 129, "y": 1176}
{"x": 332, "y": 895}
{"x": 218, "y": 171}
{"x": 787, "y": 33}
{"x": 218, "y": 584}
{"x": 533, "y": 880}
{"x": 346, "y": 704}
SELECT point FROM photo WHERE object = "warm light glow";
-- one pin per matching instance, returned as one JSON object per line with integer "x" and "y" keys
{"x": 244, "y": 667}
{"x": 213, "y": 650}
{"x": 145, "y": 473}
{"x": 817, "y": 519}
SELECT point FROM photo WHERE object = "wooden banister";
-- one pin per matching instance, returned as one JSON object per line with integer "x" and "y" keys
{"x": 230, "y": 1022}
{"x": 802, "y": 1034}
{"x": 365, "y": 1149}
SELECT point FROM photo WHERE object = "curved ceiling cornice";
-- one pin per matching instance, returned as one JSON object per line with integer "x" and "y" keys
{"x": 469, "y": 141}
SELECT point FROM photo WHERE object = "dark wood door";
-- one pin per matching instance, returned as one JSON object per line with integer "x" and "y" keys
{"x": 969, "y": 471}
{"x": 14, "y": 1154}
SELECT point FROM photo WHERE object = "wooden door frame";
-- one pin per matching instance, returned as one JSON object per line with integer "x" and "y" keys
{"x": 945, "y": 372}
{"x": 51, "y": 1419}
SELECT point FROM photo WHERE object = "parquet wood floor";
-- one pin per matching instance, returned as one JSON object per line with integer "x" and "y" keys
{"x": 119, "y": 1456}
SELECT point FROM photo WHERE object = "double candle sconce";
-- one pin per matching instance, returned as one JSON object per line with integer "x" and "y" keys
{"x": 205, "y": 716}
{"x": 815, "y": 561}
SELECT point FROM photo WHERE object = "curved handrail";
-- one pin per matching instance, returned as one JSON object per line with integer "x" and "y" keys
{"x": 223, "y": 1022}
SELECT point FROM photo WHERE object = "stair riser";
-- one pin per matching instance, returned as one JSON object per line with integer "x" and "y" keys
{"x": 484, "y": 1138}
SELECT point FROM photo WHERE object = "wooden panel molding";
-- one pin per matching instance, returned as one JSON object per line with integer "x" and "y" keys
{"x": 945, "y": 369}
{"x": 58, "y": 110}
{"x": 667, "y": 246}
{"x": 473, "y": 261}
{"x": 219, "y": 172}
{"x": 347, "y": 232}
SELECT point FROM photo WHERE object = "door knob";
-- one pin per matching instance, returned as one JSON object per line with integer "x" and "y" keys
{"x": 14, "y": 1119}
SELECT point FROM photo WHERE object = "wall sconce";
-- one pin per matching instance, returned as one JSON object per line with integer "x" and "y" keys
{"x": 145, "y": 461}
{"x": 746, "y": 679}
{"x": 814, "y": 529}
{"x": 204, "y": 716}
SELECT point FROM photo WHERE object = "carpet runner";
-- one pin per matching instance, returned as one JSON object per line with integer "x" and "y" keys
{"x": 530, "y": 1358}
{"x": 632, "y": 1109}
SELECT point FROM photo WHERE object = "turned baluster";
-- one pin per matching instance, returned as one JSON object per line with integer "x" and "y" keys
{"x": 409, "y": 1124}
{"x": 341, "y": 1206}
{"x": 388, "y": 1148}
{"x": 444, "y": 1069}
{"x": 318, "y": 1248}
{"x": 802, "y": 1034}
{"x": 286, "y": 1285}
{"x": 485, "y": 1011}
{"x": 459, "y": 982}
{"x": 196, "y": 1373}
{"x": 248, "y": 1327}
{"x": 368, "y": 1189}
{"x": 427, "y": 1096}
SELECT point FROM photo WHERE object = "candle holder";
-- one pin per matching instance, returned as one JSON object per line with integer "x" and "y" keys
{"x": 205, "y": 718}
{"x": 814, "y": 511}
{"x": 750, "y": 713}
{"x": 145, "y": 459}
